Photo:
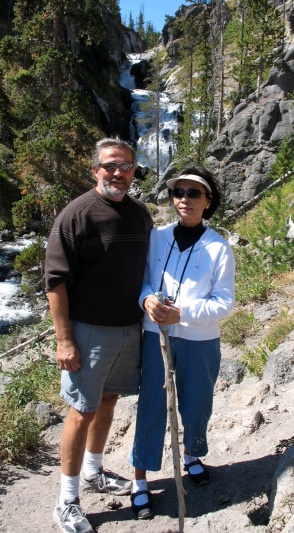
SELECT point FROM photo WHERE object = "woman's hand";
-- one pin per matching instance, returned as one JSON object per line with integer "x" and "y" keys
{"x": 162, "y": 314}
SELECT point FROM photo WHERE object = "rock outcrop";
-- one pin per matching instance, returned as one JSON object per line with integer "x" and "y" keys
{"x": 247, "y": 146}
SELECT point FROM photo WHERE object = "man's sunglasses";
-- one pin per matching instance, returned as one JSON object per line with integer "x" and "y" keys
{"x": 191, "y": 193}
{"x": 111, "y": 167}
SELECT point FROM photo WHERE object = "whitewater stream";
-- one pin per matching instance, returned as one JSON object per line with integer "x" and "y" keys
{"x": 13, "y": 309}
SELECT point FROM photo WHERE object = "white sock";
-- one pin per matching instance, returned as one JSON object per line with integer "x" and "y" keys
{"x": 138, "y": 485}
{"x": 69, "y": 488}
{"x": 195, "y": 469}
{"x": 91, "y": 464}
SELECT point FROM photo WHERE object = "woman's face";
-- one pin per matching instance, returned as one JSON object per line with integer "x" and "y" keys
{"x": 190, "y": 210}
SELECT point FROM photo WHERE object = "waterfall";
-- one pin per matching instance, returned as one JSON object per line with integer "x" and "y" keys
{"x": 141, "y": 132}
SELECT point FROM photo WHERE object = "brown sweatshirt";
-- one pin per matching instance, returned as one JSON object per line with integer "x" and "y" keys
{"x": 99, "y": 248}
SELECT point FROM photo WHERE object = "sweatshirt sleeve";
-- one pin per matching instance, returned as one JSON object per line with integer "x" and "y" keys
{"x": 61, "y": 261}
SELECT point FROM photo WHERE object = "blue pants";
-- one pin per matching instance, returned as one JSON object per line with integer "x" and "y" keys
{"x": 196, "y": 365}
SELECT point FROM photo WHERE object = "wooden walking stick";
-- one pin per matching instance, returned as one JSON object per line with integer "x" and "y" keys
{"x": 172, "y": 415}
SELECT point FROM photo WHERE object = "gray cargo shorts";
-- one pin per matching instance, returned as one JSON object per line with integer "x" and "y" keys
{"x": 110, "y": 363}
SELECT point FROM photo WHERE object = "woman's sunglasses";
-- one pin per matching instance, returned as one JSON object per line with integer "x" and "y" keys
{"x": 191, "y": 193}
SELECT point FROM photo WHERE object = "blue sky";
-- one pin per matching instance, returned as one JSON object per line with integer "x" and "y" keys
{"x": 154, "y": 10}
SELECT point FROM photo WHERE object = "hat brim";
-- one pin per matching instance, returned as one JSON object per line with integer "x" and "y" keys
{"x": 171, "y": 183}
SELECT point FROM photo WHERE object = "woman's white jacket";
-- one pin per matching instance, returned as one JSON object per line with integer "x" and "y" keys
{"x": 206, "y": 294}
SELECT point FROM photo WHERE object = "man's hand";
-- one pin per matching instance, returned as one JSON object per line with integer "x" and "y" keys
{"x": 68, "y": 355}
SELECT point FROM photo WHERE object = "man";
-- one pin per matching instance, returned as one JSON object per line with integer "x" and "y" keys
{"x": 95, "y": 262}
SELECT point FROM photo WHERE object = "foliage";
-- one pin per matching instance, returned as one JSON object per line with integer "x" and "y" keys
{"x": 19, "y": 432}
{"x": 30, "y": 263}
{"x": 35, "y": 380}
{"x": 255, "y": 360}
{"x": 196, "y": 129}
{"x": 280, "y": 328}
{"x": 17, "y": 334}
{"x": 38, "y": 205}
{"x": 152, "y": 208}
{"x": 236, "y": 327}
{"x": 9, "y": 194}
{"x": 148, "y": 182}
{"x": 259, "y": 43}
{"x": 146, "y": 30}
{"x": 253, "y": 277}
{"x": 269, "y": 254}
{"x": 284, "y": 162}
{"x": 48, "y": 120}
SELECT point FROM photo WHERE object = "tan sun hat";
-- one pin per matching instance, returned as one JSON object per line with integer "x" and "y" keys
{"x": 171, "y": 184}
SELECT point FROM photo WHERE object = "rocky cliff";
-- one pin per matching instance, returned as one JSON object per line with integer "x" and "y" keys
{"x": 242, "y": 155}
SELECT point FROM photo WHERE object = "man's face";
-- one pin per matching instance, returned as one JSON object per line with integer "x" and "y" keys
{"x": 114, "y": 183}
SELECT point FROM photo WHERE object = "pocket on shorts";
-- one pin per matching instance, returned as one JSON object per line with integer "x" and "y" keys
{"x": 70, "y": 383}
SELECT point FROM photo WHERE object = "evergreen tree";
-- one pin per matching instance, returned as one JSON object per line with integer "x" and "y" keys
{"x": 260, "y": 41}
{"x": 54, "y": 121}
{"x": 151, "y": 36}
{"x": 131, "y": 22}
{"x": 140, "y": 23}
{"x": 284, "y": 162}
{"x": 196, "y": 61}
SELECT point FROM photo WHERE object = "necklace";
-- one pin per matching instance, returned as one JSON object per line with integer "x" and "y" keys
{"x": 183, "y": 271}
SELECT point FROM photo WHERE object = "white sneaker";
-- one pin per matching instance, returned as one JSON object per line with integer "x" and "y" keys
{"x": 71, "y": 518}
{"x": 106, "y": 481}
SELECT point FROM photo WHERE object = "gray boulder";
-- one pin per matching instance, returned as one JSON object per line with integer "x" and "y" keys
{"x": 280, "y": 366}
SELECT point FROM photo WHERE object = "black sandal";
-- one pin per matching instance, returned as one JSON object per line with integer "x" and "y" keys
{"x": 145, "y": 510}
{"x": 200, "y": 479}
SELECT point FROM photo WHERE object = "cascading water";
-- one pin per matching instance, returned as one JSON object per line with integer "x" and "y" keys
{"x": 140, "y": 131}
{"x": 12, "y": 310}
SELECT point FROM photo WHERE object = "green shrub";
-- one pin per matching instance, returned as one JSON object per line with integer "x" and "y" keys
{"x": 236, "y": 327}
{"x": 255, "y": 360}
{"x": 30, "y": 263}
{"x": 36, "y": 380}
{"x": 19, "y": 432}
{"x": 38, "y": 205}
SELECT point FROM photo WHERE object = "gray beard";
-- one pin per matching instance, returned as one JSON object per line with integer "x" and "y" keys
{"x": 109, "y": 191}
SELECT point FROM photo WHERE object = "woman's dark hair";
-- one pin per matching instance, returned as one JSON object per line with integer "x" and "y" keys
{"x": 211, "y": 180}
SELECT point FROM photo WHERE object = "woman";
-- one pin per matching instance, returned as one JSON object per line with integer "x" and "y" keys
{"x": 194, "y": 267}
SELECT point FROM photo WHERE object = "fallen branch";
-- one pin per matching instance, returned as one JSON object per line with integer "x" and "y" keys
{"x": 250, "y": 203}
{"x": 18, "y": 348}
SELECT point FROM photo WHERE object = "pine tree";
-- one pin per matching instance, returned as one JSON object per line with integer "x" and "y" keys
{"x": 151, "y": 36}
{"x": 54, "y": 121}
{"x": 284, "y": 162}
{"x": 196, "y": 61}
{"x": 141, "y": 23}
{"x": 131, "y": 22}
{"x": 261, "y": 39}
